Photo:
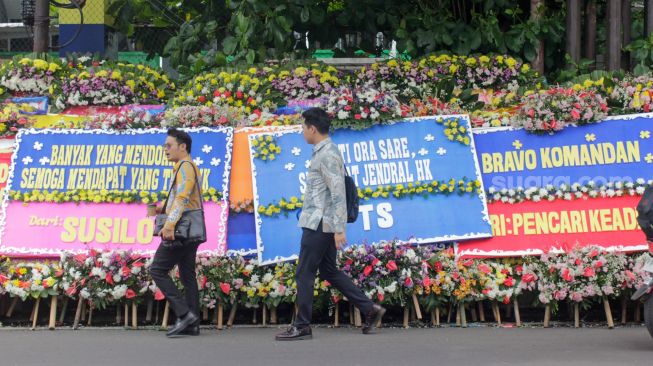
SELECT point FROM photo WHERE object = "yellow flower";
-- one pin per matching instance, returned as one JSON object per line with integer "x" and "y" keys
{"x": 511, "y": 62}
{"x": 470, "y": 61}
{"x": 40, "y": 64}
{"x": 131, "y": 84}
{"x": 116, "y": 75}
{"x": 484, "y": 59}
{"x": 54, "y": 67}
{"x": 393, "y": 63}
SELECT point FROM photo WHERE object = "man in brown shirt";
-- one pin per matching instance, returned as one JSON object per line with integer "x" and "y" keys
{"x": 183, "y": 196}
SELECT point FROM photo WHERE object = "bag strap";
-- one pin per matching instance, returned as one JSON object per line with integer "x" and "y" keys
{"x": 197, "y": 185}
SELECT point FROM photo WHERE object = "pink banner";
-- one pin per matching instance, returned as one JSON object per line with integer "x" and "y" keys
{"x": 47, "y": 229}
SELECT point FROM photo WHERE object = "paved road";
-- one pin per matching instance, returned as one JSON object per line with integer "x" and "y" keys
{"x": 332, "y": 347}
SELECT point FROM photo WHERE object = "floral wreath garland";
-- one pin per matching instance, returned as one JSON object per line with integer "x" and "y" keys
{"x": 265, "y": 147}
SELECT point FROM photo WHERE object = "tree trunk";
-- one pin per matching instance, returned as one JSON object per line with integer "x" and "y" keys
{"x": 590, "y": 30}
{"x": 537, "y": 7}
{"x": 614, "y": 35}
{"x": 573, "y": 30}
{"x": 648, "y": 17}
{"x": 626, "y": 20}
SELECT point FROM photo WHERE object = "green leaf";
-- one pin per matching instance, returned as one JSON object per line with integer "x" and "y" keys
{"x": 641, "y": 69}
{"x": 305, "y": 15}
{"x": 251, "y": 56}
{"x": 229, "y": 45}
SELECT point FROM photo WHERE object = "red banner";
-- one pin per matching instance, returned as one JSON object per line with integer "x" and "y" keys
{"x": 533, "y": 227}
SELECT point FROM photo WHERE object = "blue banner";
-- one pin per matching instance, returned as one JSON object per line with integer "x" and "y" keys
{"x": 419, "y": 177}
{"x": 616, "y": 150}
{"x": 123, "y": 161}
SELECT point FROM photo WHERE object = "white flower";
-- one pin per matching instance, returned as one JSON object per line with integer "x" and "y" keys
{"x": 207, "y": 149}
{"x": 215, "y": 161}
{"x": 27, "y": 160}
{"x": 38, "y": 146}
{"x": 441, "y": 151}
{"x": 296, "y": 151}
{"x": 268, "y": 277}
{"x": 429, "y": 137}
{"x": 289, "y": 166}
{"x": 198, "y": 161}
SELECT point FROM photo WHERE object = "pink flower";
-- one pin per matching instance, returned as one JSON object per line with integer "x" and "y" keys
{"x": 567, "y": 275}
{"x": 589, "y": 272}
{"x": 130, "y": 294}
{"x": 528, "y": 278}
{"x": 367, "y": 271}
{"x": 484, "y": 268}
{"x": 380, "y": 297}
{"x": 225, "y": 287}
{"x": 158, "y": 295}
{"x": 426, "y": 282}
{"x": 509, "y": 282}
{"x": 391, "y": 266}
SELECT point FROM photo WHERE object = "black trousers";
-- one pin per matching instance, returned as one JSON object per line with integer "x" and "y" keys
{"x": 318, "y": 251}
{"x": 164, "y": 260}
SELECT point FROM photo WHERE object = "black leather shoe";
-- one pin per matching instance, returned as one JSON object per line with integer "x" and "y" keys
{"x": 372, "y": 318}
{"x": 294, "y": 334}
{"x": 182, "y": 323}
{"x": 192, "y": 330}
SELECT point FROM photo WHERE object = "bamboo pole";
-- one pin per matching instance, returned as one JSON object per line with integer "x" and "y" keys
{"x": 472, "y": 311}
{"x": 515, "y": 303}
{"x": 53, "y": 313}
{"x": 624, "y": 310}
{"x": 576, "y": 315}
{"x": 406, "y": 315}
{"x": 134, "y": 315}
{"x": 90, "y": 315}
{"x": 351, "y": 314}
{"x": 232, "y": 314}
{"x": 418, "y": 311}
{"x": 336, "y": 316}
{"x": 220, "y": 316}
{"x": 205, "y": 313}
{"x": 357, "y": 317}
{"x": 36, "y": 312}
{"x": 78, "y": 313}
{"x": 463, "y": 317}
{"x": 264, "y": 316}
{"x": 547, "y": 315}
{"x": 66, "y": 299}
{"x": 437, "y": 316}
{"x": 84, "y": 310}
{"x": 449, "y": 313}
{"x": 273, "y": 315}
{"x": 608, "y": 312}
{"x": 166, "y": 315}
{"x": 481, "y": 312}
{"x": 638, "y": 312}
{"x": 126, "y": 315}
{"x": 12, "y": 306}
{"x": 148, "y": 314}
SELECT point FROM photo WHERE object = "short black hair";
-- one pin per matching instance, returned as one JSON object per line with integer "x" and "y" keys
{"x": 319, "y": 118}
{"x": 181, "y": 137}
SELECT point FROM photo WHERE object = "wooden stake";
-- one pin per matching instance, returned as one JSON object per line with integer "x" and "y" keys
{"x": 232, "y": 314}
{"x": 437, "y": 316}
{"x": 458, "y": 318}
{"x": 156, "y": 313}
{"x": 406, "y": 315}
{"x": 481, "y": 311}
{"x": 254, "y": 320}
{"x": 118, "y": 314}
{"x": 497, "y": 312}
{"x": 413, "y": 318}
{"x": 336, "y": 316}
{"x": 547, "y": 315}
{"x": 220, "y": 317}
{"x": 463, "y": 317}
{"x": 608, "y": 312}
{"x": 166, "y": 315}
{"x": 351, "y": 314}
{"x": 273, "y": 315}
{"x": 36, "y": 312}
{"x": 265, "y": 315}
{"x": 576, "y": 315}
{"x": 449, "y": 313}
{"x": 126, "y": 315}
{"x": 66, "y": 299}
{"x": 418, "y": 311}
{"x": 31, "y": 315}
{"x": 358, "y": 319}
{"x": 83, "y": 311}
{"x": 205, "y": 313}
{"x": 90, "y": 315}
{"x": 473, "y": 311}
{"x": 53, "y": 313}
{"x": 12, "y": 306}
{"x": 433, "y": 318}
{"x": 148, "y": 314}
{"x": 515, "y": 303}
{"x": 78, "y": 313}
{"x": 624, "y": 310}
{"x": 134, "y": 315}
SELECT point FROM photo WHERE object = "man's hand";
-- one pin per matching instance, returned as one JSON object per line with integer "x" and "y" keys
{"x": 159, "y": 208}
{"x": 341, "y": 240}
{"x": 168, "y": 234}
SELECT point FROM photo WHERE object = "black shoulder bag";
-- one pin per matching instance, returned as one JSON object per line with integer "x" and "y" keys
{"x": 190, "y": 229}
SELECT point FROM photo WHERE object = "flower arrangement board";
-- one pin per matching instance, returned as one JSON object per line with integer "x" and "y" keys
{"x": 410, "y": 175}
{"x": 579, "y": 186}
{"x": 75, "y": 190}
